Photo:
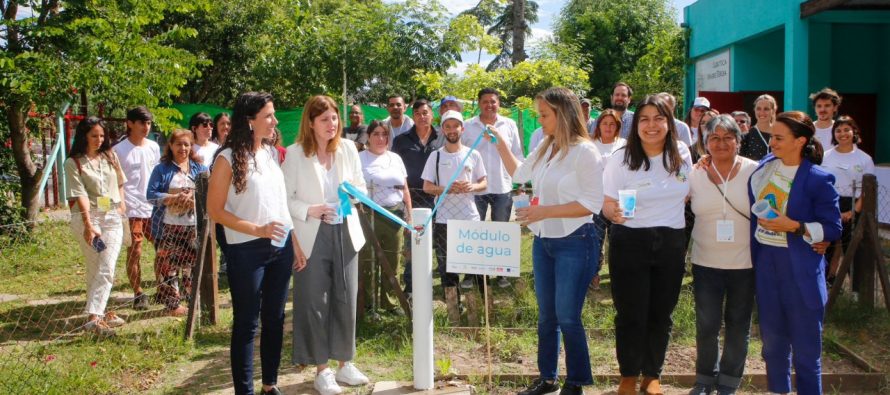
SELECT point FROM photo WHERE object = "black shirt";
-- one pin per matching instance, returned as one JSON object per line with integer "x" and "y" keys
{"x": 414, "y": 155}
{"x": 753, "y": 146}
{"x": 357, "y": 133}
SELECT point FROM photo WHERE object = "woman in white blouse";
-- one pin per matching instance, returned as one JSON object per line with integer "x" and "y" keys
{"x": 848, "y": 164}
{"x": 326, "y": 278}
{"x": 721, "y": 259}
{"x": 647, "y": 250}
{"x": 605, "y": 135}
{"x": 566, "y": 171}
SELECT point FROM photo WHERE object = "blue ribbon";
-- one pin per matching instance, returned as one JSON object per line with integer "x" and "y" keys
{"x": 346, "y": 189}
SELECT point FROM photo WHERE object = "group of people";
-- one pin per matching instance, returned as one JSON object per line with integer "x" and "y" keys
{"x": 282, "y": 216}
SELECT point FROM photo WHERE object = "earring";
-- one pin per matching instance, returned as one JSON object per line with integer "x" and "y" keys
{"x": 250, "y": 125}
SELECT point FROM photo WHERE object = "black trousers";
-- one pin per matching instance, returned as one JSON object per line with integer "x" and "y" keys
{"x": 646, "y": 267}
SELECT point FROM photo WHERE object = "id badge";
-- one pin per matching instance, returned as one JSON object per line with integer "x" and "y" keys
{"x": 725, "y": 231}
{"x": 103, "y": 203}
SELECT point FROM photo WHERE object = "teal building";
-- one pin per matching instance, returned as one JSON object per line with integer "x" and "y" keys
{"x": 739, "y": 49}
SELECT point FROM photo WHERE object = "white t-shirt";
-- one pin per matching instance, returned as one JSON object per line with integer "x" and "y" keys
{"x": 709, "y": 207}
{"x": 461, "y": 205}
{"x": 407, "y": 124}
{"x": 263, "y": 200}
{"x": 137, "y": 164}
{"x": 499, "y": 181}
{"x": 180, "y": 180}
{"x": 206, "y": 152}
{"x": 577, "y": 177}
{"x": 848, "y": 168}
{"x": 385, "y": 176}
{"x": 606, "y": 150}
{"x": 535, "y": 140}
{"x": 776, "y": 192}
{"x": 824, "y": 137}
{"x": 661, "y": 196}
{"x": 684, "y": 134}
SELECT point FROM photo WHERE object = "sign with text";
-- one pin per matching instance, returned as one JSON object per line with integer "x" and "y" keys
{"x": 712, "y": 73}
{"x": 476, "y": 247}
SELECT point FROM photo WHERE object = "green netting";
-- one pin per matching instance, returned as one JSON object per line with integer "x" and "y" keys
{"x": 289, "y": 119}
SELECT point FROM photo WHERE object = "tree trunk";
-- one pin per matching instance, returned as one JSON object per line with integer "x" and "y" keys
{"x": 17, "y": 114}
{"x": 519, "y": 29}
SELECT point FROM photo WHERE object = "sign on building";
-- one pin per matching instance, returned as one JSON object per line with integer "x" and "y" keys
{"x": 712, "y": 73}
{"x": 477, "y": 247}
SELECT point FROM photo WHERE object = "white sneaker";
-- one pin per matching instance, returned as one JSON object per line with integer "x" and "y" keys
{"x": 325, "y": 383}
{"x": 113, "y": 320}
{"x": 350, "y": 374}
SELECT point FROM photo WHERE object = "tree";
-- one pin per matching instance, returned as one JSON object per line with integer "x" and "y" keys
{"x": 613, "y": 37}
{"x": 112, "y": 51}
{"x": 509, "y": 21}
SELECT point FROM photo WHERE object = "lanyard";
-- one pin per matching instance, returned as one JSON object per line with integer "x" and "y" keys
{"x": 765, "y": 143}
{"x": 101, "y": 175}
{"x": 724, "y": 181}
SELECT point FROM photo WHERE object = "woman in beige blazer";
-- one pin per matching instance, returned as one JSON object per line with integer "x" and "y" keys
{"x": 326, "y": 277}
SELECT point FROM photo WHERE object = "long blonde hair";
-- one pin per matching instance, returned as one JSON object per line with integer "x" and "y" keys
{"x": 570, "y": 126}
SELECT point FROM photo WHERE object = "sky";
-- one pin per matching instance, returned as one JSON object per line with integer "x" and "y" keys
{"x": 548, "y": 12}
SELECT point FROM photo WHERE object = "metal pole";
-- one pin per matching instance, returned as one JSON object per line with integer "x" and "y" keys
{"x": 422, "y": 301}
{"x": 62, "y": 138}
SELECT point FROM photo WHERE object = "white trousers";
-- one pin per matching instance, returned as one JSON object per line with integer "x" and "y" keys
{"x": 100, "y": 266}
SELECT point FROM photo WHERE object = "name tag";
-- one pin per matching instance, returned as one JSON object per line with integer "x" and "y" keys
{"x": 642, "y": 185}
{"x": 725, "y": 231}
{"x": 103, "y": 203}
{"x": 446, "y": 163}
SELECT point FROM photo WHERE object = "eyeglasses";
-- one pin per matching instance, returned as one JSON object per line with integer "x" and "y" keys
{"x": 741, "y": 121}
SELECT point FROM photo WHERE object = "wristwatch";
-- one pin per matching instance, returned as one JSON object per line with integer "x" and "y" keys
{"x": 801, "y": 230}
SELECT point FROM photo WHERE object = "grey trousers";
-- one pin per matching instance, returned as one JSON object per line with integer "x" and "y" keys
{"x": 325, "y": 298}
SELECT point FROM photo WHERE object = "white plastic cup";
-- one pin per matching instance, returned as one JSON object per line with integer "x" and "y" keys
{"x": 337, "y": 217}
{"x": 280, "y": 242}
{"x": 627, "y": 201}
{"x": 762, "y": 209}
{"x": 520, "y": 201}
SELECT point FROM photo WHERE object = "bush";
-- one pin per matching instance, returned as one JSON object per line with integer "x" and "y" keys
{"x": 11, "y": 212}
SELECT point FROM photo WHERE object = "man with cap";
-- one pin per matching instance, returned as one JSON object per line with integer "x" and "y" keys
{"x": 449, "y": 103}
{"x": 585, "y": 109}
{"x": 138, "y": 156}
{"x": 357, "y": 131}
{"x": 699, "y": 106}
{"x": 500, "y": 184}
{"x": 458, "y": 203}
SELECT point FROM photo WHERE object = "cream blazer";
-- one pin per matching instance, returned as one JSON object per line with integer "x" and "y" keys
{"x": 303, "y": 185}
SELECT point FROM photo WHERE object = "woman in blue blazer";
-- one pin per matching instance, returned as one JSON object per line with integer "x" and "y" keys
{"x": 790, "y": 285}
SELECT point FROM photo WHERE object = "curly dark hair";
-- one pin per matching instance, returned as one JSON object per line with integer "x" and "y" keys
{"x": 240, "y": 138}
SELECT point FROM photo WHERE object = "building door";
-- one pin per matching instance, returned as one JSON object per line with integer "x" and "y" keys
{"x": 864, "y": 109}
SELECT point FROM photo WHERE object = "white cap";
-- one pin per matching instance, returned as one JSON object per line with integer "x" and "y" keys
{"x": 451, "y": 114}
{"x": 701, "y": 102}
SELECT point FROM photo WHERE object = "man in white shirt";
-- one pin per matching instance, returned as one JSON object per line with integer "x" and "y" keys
{"x": 398, "y": 123}
{"x": 500, "y": 184}
{"x": 138, "y": 157}
{"x": 458, "y": 202}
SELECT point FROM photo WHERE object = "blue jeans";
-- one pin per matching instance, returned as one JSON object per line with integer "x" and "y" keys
{"x": 712, "y": 287}
{"x": 501, "y": 205}
{"x": 258, "y": 277}
{"x": 563, "y": 268}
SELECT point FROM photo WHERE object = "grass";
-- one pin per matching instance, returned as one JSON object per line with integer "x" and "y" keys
{"x": 41, "y": 351}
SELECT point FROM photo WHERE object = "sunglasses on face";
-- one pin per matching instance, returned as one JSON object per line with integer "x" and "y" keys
{"x": 741, "y": 121}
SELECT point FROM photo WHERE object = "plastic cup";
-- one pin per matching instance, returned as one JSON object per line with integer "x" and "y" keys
{"x": 762, "y": 209}
{"x": 280, "y": 242}
{"x": 337, "y": 217}
{"x": 521, "y": 201}
{"x": 627, "y": 201}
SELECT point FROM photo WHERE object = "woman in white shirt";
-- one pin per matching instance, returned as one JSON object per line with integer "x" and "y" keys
{"x": 647, "y": 249}
{"x": 202, "y": 127}
{"x": 386, "y": 177}
{"x": 848, "y": 164}
{"x": 566, "y": 171}
{"x": 721, "y": 259}
{"x": 246, "y": 195}
{"x": 605, "y": 135}
{"x": 326, "y": 285}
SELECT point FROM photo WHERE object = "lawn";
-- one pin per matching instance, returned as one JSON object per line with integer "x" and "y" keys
{"x": 41, "y": 350}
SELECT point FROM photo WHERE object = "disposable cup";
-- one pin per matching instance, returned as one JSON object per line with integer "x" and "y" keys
{"x": 762, "y": 209}
{"x": 280, "y": 242}
{"x": 521, "y": 201}
{"x": 337, "y": 217}
{"x": 627, "y": 201}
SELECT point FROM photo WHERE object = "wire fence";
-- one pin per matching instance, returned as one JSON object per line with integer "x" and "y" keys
{"x": 47, "y": 281}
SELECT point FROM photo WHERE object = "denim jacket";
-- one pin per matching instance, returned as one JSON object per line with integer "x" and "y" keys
{"x": 158, "y": 185}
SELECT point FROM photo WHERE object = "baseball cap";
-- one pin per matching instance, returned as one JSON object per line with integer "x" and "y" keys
{"x": 586, "y": 101}
{"x": 701, "y": 102}
{"x": 447, "y": 99}
{"x": 451, "y": 114}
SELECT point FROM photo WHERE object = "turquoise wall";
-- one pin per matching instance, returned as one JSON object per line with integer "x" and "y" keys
{"x": 758, "y": 64}
{"x": 719, "y": 23}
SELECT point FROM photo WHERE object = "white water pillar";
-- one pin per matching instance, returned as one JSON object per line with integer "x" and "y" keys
{"x": 422, "y": 300}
